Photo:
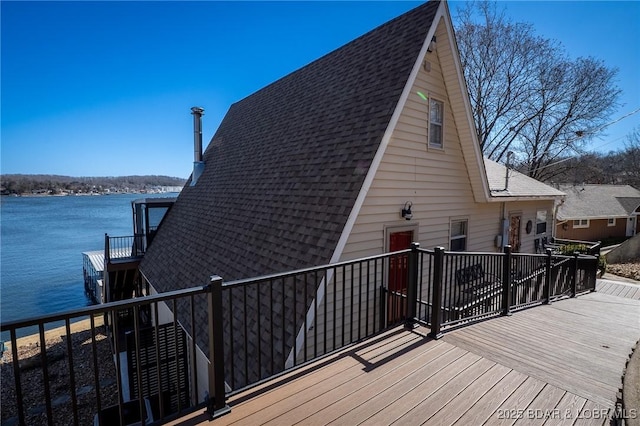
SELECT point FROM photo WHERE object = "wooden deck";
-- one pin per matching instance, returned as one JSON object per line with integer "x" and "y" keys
{"x": 554, "y": 364}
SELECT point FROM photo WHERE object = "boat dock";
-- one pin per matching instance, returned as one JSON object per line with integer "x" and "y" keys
{"x": 93, "y": 272}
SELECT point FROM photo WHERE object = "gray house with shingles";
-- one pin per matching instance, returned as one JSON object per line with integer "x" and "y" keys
{"x": 317, "y": 167}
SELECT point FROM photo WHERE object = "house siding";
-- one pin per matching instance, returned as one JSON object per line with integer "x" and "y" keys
{"x": 598, "y": 230}
{"x": 440, "y": 187}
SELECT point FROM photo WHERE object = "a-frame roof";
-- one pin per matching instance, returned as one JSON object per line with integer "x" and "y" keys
{"x": 287, "y": 163}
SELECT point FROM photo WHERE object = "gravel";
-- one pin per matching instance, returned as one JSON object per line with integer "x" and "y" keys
{"x": 630, "y": 269}
{"x": 58, "y": 363}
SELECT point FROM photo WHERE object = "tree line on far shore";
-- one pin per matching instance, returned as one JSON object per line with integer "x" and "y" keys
{"x": 19, "y": 184}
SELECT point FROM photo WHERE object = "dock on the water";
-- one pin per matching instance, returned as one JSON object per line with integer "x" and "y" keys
{"x": 93, "y": 272}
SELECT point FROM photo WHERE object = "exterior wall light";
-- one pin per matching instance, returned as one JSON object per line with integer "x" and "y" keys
{"x": 406, "y": 210}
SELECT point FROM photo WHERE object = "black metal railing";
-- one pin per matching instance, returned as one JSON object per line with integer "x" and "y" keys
{"x": 78, "y": 376}
{"x": 124, "y": 247}
{"x": 281, "y": 321}
{"x": 471, "y": 286}
{"x": 591, "y": 248}
{"x": 256, "y": 329}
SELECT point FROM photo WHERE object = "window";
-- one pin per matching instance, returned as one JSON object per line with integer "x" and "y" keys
{"x": 541, "y": 222}
{"x": 436, "y": 112}
{"x": 581, "y": 223}
{"x": 611, "y": 221}
{"x": 458, "y": 235}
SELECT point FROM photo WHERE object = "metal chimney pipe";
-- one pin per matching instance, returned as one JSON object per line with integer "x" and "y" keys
{"x": 198, "y": 164}
{"x": 506, "y": 177}
{"x": 197, "y": 113}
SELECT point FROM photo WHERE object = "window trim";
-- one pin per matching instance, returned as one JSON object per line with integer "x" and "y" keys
{"x": 465, "y": 236}
{"x": 582, "y": 223}
{"x": 609, "y": 221}
{"x": 430, "y": 144}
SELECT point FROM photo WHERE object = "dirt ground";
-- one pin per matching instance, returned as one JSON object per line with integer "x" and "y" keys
{"x": 58, "y": 370}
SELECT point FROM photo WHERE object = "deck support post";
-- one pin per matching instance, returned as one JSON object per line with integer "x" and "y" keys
{"x": 412, "y": 289}
{"x": 546, "y": 295}
{"x": 217, "y": 404}
{"x": 574, "y": 274}
{"x": 506, "y": 281}
{"x": 436, "y": 301}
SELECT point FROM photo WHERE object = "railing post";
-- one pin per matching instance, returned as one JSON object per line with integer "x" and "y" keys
{"x": 107, "y": 255}
{"x": 547, "y": 278}
{"x": 574, "y": 274}
{"x": 412, "y": 288}
{"x": 436, "y": 301}
{"x": 217, "y": 404}
{"x": 506, "y": 281}
{"x": 383, "y": 307}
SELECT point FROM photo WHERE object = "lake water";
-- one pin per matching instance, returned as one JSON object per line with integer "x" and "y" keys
{"x": 41, "y": 245}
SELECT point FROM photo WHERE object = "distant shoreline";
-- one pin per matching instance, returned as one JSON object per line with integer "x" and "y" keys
{"x": 88, "y": 195}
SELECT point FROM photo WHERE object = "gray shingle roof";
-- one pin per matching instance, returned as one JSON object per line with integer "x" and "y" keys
{"x": 598, "y": 201}
{"x": 519, "y": 185}
{"x": 287, "y": 163}
{"x": 282, "y": 174}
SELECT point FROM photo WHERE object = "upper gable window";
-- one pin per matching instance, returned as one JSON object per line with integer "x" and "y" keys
{"x": 436, "y": 113}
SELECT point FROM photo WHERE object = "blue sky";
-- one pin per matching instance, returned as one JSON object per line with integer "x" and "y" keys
{"x": 105, "y": 88}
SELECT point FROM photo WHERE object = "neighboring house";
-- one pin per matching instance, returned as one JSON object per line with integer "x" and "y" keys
{"x": 318, "y": 166}
{"x": 598, "y": 212}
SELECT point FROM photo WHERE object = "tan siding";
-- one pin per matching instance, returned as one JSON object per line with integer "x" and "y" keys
{"x": 436, "y": 181}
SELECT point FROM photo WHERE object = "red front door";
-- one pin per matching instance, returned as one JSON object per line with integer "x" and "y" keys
{"x": 398, "y": 275}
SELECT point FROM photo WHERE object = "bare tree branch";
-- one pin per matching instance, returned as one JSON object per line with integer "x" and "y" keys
{"x": 527, "y": 96}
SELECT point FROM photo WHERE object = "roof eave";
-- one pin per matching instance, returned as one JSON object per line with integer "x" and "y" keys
{"x": 513, "y": 198}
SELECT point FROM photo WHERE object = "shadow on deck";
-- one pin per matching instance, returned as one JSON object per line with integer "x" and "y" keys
{"x": 561, "y": 362}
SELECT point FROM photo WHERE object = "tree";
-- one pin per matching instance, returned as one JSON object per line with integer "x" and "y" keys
{"x": 631, "y": 158}
{"x": 526, "y": 95}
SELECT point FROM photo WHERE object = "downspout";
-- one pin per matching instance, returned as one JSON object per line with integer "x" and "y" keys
{"x": 505, "y": 226}
{"x": 198, "y": 164}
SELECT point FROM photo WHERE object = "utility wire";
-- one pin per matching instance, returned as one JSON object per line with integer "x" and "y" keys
{"x": 604, "y": 126}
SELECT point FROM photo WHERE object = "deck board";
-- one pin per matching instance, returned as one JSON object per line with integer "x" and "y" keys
{"x": 350, "y": 391}
{"x": 442, "y": 378}
{"x": 364, "y": 400}
{"x": 557, "y": 364}
{"x": 485, "y": 407}
{"x": 566, "y": 411}
{"x": 462, "y": 402}
{"x": 542, "y": 342}
{"x": 429, "y": 406}
{"x": 513, "y": 407}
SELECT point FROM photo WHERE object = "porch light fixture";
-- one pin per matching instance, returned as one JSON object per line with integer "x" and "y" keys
{"x": 406, "y": 210}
